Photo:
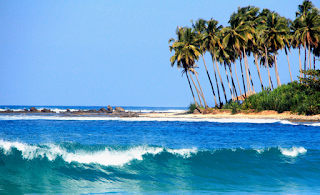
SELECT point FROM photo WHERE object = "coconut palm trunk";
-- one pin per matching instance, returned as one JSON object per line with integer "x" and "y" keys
{"x": 267, "y": 65}
{"x": 202, "y": 95}
{"x": 309, "y": 57}
{"x": 215, "y": 76}
{"x": 305, "y": 61}
{"x": 246, "y": 68}
{"x": 198, "y": 92}
{"x": 300, "y": 66}
{"x": 285, "y": 49}
{"x": 214, "y": 95}
{"x": 234, "y": 87}
{"x": 258, "y": 69}
{"x": 314, "y": 61}
{"x": 225, "y": 68}
{"x": 250, "y": 78}
{"x": 235, "y": 70}
{"x": 192, "y": 91}
{"x": 276, "y": 70}
{"x": 224, "y": 91}
{"x": 244, "y": 86}
{"x": 271, "y": 83}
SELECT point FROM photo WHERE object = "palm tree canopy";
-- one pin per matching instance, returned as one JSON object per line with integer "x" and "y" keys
{"x": 211, "y": 35}
{"x": 304, "y": 8}
{"x": 186, "y": 51}
{"x": 310, "y": 29}
{"x": 274, "y": 31}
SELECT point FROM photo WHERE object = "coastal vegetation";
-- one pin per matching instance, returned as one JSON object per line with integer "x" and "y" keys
{"x": 262, "y": 34}
{"x": 297, "y": 97}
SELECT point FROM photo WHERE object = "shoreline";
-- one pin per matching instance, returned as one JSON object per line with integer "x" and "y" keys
{"x": 218, "y": 114}
{"x": 268, "y": 114}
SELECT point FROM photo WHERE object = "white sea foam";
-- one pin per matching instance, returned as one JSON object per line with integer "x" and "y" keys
{"x": 104, "y": 118}
{"x": 58, "y": 110}
{"x": 293, "y": 152}
{"x": 15, "y": 110}
{"x": 260, "y": 150}
{"x": 286, "y": 122}
{"x": 105, "y": 157}
{"x": 185, "y": 153}
{"x": 312, "y": 124}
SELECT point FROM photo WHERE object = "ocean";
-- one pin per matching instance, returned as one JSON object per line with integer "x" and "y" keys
{"x": 56, "y": 154}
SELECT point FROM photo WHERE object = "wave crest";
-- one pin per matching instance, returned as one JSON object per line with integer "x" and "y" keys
{"x": 293, "y": 152}
{"x": 108, "y": 156}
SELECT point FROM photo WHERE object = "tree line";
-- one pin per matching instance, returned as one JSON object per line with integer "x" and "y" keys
{"x": 250, "y": 32}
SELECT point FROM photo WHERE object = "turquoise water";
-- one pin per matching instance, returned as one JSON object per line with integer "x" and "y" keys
{"x": 88, "y": 155}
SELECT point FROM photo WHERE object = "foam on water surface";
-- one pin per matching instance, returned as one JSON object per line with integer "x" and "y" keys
{"x": 293, "y": 152}
{"x": 104, "y": 118}
{"x": 162, "y": 119}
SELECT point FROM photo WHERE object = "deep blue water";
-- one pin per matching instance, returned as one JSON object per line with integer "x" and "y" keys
{"x": 87, "y": 155}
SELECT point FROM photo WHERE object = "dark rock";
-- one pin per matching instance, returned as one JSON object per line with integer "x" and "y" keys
{"x": 102, "y": 110}
{"x": 196, "y": 111}
{"x": 68, "y": 110}
{"x": 45, "y": 110}
{"x": 119, "y": 109}
{"x": 33, "y": 109}
{"x": 25, "y": 110}
{"x": 110, "y": 109}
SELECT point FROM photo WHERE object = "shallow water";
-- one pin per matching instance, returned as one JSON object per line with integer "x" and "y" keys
{"x": 55, "y": 154}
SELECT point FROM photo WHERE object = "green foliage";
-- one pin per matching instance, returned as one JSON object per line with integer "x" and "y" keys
{"x": 233, "y": 105}
{"x": 312, "y": 79}
{"x": 192, "y": 107}
{"x": 294, "y": 97}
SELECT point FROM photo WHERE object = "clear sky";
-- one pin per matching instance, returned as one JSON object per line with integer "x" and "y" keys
{"x": 95, "y": 53}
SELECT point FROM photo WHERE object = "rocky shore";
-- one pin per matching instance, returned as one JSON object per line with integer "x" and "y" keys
{"x": 109, "y": 111}
{"x": 215, "y": 113}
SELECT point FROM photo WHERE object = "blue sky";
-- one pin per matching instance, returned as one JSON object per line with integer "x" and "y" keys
{"x": 95, "y": 53}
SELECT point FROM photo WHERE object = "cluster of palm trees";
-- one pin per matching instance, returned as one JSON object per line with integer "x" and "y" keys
{"x": 251, "y": 32}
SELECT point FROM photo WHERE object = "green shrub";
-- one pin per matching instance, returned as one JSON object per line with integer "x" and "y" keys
{"x": 192, "y": 107}
{"x": 294, "y": 97}
{"x": 234, "y": 106}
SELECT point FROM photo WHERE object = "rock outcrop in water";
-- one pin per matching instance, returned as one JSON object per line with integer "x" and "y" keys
{"x": 119, "y": 109}
{"x": 110, "y": 109}
{"x": 117, "y": 112}
{"x": 33, "y": 109}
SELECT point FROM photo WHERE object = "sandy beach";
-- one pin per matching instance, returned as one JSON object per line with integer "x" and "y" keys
{"x": 270, "y": 114}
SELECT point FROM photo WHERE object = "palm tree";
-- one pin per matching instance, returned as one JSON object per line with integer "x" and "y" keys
{"x": 296, "y": 40}
{"x": 287, "y": 44}
{"x": 186, "y": 53}
{"x": 250, "y": 17}
{"x": 233, "y": 57}
{"x": 273, "y": 33}
{"x": 310, "y": 31}
{"x": 211, "y": 41}
{"x": 224, "y": 56}
{"x": 194, "y": 84}
{"x": 301, "y": 15}
{"x": 192, "y": 70}
{"x": 200, "y": 27}
{"x": 267, "y": 62}
{"x": 232, "y": 38}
